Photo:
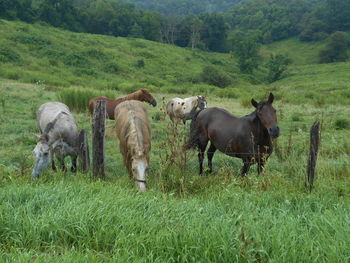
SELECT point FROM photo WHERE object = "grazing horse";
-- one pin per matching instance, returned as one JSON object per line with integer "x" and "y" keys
{"x": 184, "y": 109}
{"x": 59, "y": 135}
{"x": 134, "y": 133}
{"x": 247, "y": 138}
{"x": 141, "y": 95}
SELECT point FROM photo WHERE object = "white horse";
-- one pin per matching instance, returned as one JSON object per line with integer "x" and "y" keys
{"x": 59, "y": 135}
{"x": 183, "y": 109}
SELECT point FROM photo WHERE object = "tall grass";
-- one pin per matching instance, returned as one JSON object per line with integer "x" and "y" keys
{"x": 77, "y": 98}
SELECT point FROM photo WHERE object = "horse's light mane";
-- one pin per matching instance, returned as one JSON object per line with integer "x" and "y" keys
{"x": 133, "y": 131}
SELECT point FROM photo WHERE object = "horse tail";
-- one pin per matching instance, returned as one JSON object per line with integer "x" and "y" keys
{"x": 193, "y": 140}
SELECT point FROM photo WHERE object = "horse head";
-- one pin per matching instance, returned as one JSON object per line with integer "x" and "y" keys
{"x": 267, "y": 115}
{"x": 42, "y": 155}
{"x": 202, "y": 103}
{"x": 148, "y": 97}
{"x": 139, "y": 168}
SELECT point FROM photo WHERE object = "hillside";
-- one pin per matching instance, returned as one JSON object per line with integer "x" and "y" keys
{"x": 57, "y": 58}
{"x": 32, "y": 53}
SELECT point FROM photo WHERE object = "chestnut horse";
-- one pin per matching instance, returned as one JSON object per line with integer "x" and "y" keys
{"x": 247, "y": 138}
{"x": 134, "y": 133}
{"x": 141, "y": 95}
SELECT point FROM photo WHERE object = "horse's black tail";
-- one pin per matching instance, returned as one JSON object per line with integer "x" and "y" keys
{"x": 193, "y": 140}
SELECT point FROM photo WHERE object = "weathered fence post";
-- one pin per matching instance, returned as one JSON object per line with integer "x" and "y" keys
{"x": 84, "y": 150}
{"x": 311, "y": 164}
{"x": 98, "y": 138}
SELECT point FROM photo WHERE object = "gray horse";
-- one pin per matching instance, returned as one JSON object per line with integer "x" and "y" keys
{"x": 59, "y": 135}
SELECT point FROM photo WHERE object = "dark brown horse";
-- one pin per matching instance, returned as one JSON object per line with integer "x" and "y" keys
{"x": 141, "y": 95}
{"x": 248, "y": 138}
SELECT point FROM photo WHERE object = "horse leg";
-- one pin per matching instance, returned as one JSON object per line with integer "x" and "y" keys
{"x": 210, "y": 154}
{"x": 74, "y": 164}
{"x": 53, "y": 161}
{"x": 63, "y": 167}
{"x": 261, "y": 164}
{"x": 53, "y": 165}
{"x": 245, "y": 168}
{"x": 201, "y": 149}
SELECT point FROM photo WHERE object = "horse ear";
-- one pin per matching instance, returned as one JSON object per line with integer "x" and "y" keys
{"x": 254, "y": 103}
{"x": 271, "y": 98}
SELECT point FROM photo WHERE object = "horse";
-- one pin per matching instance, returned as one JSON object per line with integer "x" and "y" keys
{"x": 184, "y": 109}
{"x": 248, "y": 138}
{"x": 134, "y": 133}
{"x": 59, "y": 135}
{"x": 141, "y": 95}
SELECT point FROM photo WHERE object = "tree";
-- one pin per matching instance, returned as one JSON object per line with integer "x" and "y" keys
{"x": 214, "y": 31}
{"x": 136, "y": 31}
{"x": 336, "y": 50}
{"x": 246, "y": 49}
{"x": 277, "y": 65}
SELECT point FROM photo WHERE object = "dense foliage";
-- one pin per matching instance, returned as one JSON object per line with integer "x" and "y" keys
{"x": 272, "y": 19}
{"x": 281, "y": 19}
{"x": 336, "y": 50}
{"x": 184, "y": 7}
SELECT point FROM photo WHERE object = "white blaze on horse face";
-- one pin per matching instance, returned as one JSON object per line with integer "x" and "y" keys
{"x": 139, "y": 169}
{"x": 42, "y": 158}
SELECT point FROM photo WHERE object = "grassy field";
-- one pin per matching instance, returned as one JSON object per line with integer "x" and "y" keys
{"x": 182, "y": 217}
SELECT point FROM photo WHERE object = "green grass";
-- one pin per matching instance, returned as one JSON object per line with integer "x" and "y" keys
{"x": 183, "y": 217}
{"x": 32, "y": 53}
{"x": 301, "y": 53}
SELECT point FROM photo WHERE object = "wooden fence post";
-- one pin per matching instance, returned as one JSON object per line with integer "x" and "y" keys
{"x": 84, "y": 151}
{"x": 311, "y": 164}
{"x": 98, "y": 138}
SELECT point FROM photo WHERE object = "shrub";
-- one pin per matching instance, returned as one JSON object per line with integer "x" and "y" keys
{"x": 32, "y": 40}
{"x": 341, "y": 124}
{"x": 296, "y": 116}
{"x": 8, "y": 55}
{"x": 277, "y": 65}
{"x": 213, "y": 76}
{"x": 111, "y": 67}
{"x": 76, "y": 60}
{"x": 336, "y": 50}
{"x": 140, "y": 63}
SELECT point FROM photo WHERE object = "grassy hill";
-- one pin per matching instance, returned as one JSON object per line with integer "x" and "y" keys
{"x": 34, "y": 53}
{"x": 56, "y": 58}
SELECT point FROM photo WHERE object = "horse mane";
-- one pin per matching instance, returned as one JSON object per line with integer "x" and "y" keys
{"x": 133, "y": 131}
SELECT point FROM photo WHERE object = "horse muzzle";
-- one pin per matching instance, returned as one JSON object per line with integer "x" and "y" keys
{"x": 274, "y": 132}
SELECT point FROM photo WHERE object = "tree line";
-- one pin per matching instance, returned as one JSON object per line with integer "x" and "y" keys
{"x": 272, "y": 20}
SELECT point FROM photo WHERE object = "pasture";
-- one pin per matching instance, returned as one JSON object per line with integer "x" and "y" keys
{"x": 182, "y": 217}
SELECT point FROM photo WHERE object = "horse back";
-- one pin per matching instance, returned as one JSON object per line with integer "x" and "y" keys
{"x": 228, "y": 133}
{"x": 56, "y": 120}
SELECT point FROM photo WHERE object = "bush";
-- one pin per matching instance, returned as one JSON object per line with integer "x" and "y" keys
{"x": 76, "y": 60}
{"x": 8, "y": 55}
{"x": 213, "y": 76}
{"x": 336, "y": 50}
{"x": 341, "y": 124}
{"x": 140, "y": 63}
{"x": 32, "y": 40}
{"x": 111, "y": 67}
{"x": 277, "y": 65}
